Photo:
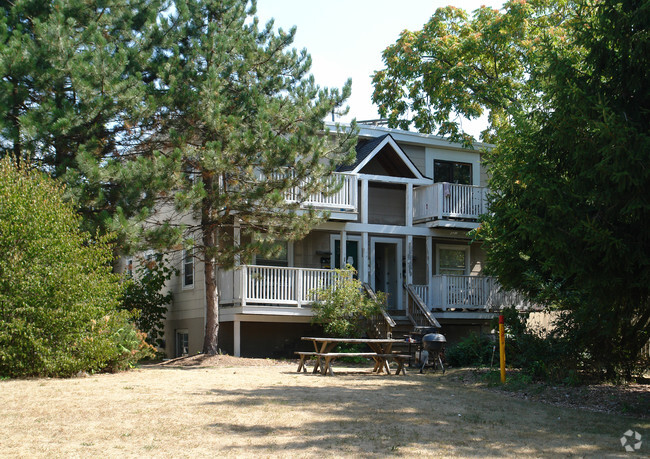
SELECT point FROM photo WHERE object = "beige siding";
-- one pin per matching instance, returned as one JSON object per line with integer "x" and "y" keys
{"x": 484, "y": 173}
{"x": 476, "y": 259}
{"x": 188, "y": 302}
{"x": 417, "y": 155}
{"x": 305, "y": 251}
{"x": 386, "y": 204}
{"x": 195, "y": 330}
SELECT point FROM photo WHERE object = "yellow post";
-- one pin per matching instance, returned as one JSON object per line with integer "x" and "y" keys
{"x": 502, "y": 348}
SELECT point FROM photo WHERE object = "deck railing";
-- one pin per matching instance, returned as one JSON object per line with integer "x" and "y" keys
{"x": 345, "y": 199}
{"x": 467, "y": 292}
{"x": 441, "y": 201}
{"x": 274, "y": 286}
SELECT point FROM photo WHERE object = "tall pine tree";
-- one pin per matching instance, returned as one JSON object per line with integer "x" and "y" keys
{"x": 242, "y": 119}
{"x": 77, "y": 82}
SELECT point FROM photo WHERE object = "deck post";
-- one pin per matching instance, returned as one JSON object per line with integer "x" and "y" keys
{"x": 430, "y": 271}
{"x": 445, "y": 292}
{"x": 236, "y": 325}
{"x": 244, "y": 284}
{"x": 409, "y": 259}
{"x": 409, "y": 204}
{"x": 342, "y": 251}
{"x": 365, "y": 258}
{"x": 364, "y": 201}
{"x": 298, "y": 289}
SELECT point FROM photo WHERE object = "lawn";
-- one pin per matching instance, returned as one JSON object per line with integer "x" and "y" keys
{"x": 274, "y": 411}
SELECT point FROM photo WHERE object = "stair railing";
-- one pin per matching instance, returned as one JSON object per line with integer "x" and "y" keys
{"x": 380, "y": 325}
{"x": 417, "y": 311}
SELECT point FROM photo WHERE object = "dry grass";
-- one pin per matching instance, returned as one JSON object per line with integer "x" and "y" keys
{"x": 274, "y": 411}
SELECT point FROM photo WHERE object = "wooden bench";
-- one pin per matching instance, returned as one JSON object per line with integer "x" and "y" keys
{"x": 324, "y": 360}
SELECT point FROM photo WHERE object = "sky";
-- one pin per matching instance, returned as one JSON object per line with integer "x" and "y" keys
{"x": 346, "y": 38}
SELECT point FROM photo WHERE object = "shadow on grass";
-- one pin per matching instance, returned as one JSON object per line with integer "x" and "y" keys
{"x": 366, "y": 414}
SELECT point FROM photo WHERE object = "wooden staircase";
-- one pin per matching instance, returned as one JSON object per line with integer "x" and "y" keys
{"x": 397, "y": 323}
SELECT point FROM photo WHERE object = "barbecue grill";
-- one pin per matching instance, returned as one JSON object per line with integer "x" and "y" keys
{"x": 433, "y": 343}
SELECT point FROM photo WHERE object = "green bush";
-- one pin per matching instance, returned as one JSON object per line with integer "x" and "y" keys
{"x": 546, "y": 357}
{"x": 143, "y": 297}
{"x": 58, "y": 295}
{"x": 343, "y": 308}
{"x": 474, "y": 350}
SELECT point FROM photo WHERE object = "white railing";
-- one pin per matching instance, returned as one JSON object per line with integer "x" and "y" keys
{"x": 448, "y": 200}
{"x": 345, "y": 199}
{"x": 277, "y": 286}
{"x": 467, "y": 292}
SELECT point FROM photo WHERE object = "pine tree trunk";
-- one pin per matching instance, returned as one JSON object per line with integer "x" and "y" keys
{"x": 210, "y": 340}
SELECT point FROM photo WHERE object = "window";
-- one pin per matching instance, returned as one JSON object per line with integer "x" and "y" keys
{"x": 279, "y": 258}
{"x": 452, "y": 172}
{"x": 453, "y": 260}
{"x": 182, "y": 343}
{"x": 188, "y": 268}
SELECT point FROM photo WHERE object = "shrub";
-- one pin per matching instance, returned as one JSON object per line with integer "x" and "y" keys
{"x": 58, "y": 296}
{"x": 343, "y": 308}
{"x": 474, "y": 350}
{"x": 143, "y": 297}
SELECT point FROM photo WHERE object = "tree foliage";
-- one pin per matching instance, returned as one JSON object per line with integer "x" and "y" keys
{"x": 566, "y": 86}
{"x": 242, "y": 120}
{"x": 461, "y": 65}
{"x": 343, "y": 308}
{"x": 570, "y": 183}
{"x": 78, "y": 80}
{"x": 58, "y": 297}
{"x": 145, "y": 298}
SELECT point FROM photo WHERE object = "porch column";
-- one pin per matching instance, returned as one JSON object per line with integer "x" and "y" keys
{"x": 342, "y": 253}
{"x": 364, "y": 201}
{"x": 365, "y": 258}
{"x": 409, "y": 260}
{"x": 237, "y": 239}
{"x": 409, "y": 204}
{"x": 236, "y": 325}
{"x": 430, "y": 271}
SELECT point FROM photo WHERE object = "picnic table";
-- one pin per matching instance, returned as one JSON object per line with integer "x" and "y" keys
{"x": 381, "y": 353}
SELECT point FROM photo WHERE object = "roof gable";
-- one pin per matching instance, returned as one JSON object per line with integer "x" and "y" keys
{"x": 382, "y": 156}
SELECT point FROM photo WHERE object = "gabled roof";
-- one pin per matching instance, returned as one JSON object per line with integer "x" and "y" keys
{"x": 380, "y": 148}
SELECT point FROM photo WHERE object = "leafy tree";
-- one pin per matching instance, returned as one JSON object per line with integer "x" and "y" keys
{"x": 460, "y": 65}
{"x": 58, "y": 297}
{"x": 566, "y": 87}
{"x": 343, "y": 308}
{"x": 243, "y": 121}
{"x": 144, "y": 297}
{"x": 76, "y": 86}
{"x": 569, "y": 210}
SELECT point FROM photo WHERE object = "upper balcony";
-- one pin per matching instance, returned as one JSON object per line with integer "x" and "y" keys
{"x": 449, "y": 205}
{"x": 344, "y": 200}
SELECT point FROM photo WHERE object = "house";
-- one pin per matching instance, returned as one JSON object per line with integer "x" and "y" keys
{"x": 401, "y": 218}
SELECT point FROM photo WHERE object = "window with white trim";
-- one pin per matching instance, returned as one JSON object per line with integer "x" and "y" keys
{"x": 188, "y": 268}
{"x": 452, "y": 260}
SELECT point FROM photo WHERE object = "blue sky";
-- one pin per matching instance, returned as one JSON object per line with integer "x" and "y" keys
{"x": 346, "y": 37}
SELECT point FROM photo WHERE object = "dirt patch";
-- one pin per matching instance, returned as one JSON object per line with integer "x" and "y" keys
{"x": 624, "y": 399}
{"x": 208, "y": 361}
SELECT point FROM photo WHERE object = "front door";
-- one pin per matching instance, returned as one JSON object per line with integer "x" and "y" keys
{"x": 387, "y": 275}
